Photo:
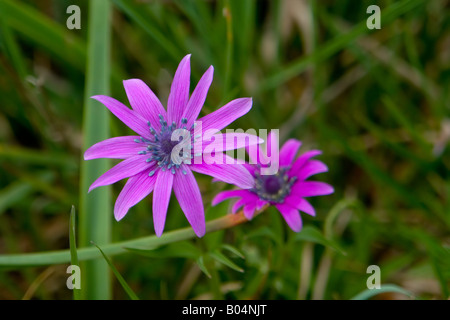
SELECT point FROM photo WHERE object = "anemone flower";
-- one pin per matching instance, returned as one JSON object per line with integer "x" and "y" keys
{"x": 286, "y": 189}
{"x": 148, "y": 158}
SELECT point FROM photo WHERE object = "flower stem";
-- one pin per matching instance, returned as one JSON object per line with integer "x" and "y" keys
{"x": 89, "y": 253}
{"x": 94, "y": 218}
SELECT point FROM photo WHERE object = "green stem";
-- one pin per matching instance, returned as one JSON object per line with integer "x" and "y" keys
{"x": 95, "y": 208}
{"x": 111, "y": 249}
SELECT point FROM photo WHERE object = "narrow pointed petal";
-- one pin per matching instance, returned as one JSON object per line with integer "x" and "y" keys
{"x": 188, "y": 194}
{"x": 144, "y": 102}
{"x": 291, "y": 216}
{"x": 311, "y": 168}
{"x": 222, "y": 117}
{"x": 137, "y": 188}
{"x": 262, "y": 154}
{"x": 230, "y": 173}
{"x": 249, "y": 210}
{"x": 198, "y": 97}
{"x": 179, "y": 91}
{"x": 300, "y": 204}
{"x": 273, "y": 141}
{"x": 301, "y": 161}
{"x": 114, "y": 148}
{"x": 288, "y": 152}
{"x": 132, "y": 119}
{"x": 251, "y": 168}
{"x": 124, "y": 169}
{"x": 260, "y": 204}
{"x": 253, "y": 152}
{"x": 238, "y": 204}
{"x": 311, "y": 188}
{"x": 224, "y": 195}
{"x": 161, "y": 198}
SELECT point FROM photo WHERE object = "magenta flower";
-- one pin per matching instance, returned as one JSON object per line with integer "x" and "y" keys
{"x": 287, "y": 189}
{"x": 149, "y": 160}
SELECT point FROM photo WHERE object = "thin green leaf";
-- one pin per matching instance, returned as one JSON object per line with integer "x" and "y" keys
{"x": 369, "y": 293}
{"x": 135, "y": 13}
{"x": 201, "y": 264}
{"x": 264, "y": 232}
{"x": 14, "y": 193}
{"x": 73, "y": 249}
{"x": 312, "y": 234}
{"x": 57, "y": 40}
{"x": 89, "y": 253}
{"x": 95, "y": 207}
{"x": 119, "y": 277}
{"x": 233, "y": 250}
{"x": 335, "y": 45}
{"x": 183, "y": 249}
{"x": 220, "y": 257}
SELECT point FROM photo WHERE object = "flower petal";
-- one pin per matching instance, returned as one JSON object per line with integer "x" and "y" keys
{"x": 137, "y": 188}
{"x": 132, "y": 119}
{"x": 291, "y": 216}
{"x": 300, "y": 204}
{"x": 114, "y": 148}
{"x": 288, "y": 152}
{"x": 230, "y": 173}
{"x": 301, "y": 161}
{"x": 311, "y": 188}
{"x": 311, "y": 168}
{"x": 224, "y": 195}
{"x": 161, "y": 198}
{"x": 188, "y": 194}
{"x": 124, "y": 169}
{"x": 222, "y": 117}
{"x": 144, "y": 102}
{"x": 260, "y": 154}
{"x": 237, "y": 205}
{"x": 198, "y": 97}
{"x": 260, "y": 204}
{"x": 249, "y": 210}
{"x": 179, "y": 91}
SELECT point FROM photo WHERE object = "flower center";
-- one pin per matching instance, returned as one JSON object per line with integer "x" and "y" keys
{"x": 272, "y": 185}
{"x": 169, "y": 154}
{"x": 273, "y": 188}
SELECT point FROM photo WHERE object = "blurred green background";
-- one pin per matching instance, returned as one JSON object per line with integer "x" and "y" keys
{"x": 375, "y": 101}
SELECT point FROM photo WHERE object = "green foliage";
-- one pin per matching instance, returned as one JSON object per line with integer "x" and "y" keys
{"x": 376, "y": 102}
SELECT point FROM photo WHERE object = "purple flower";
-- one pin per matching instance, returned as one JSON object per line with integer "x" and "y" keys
{"x": 287, "y": 189}
{"x": 149, "y": 160}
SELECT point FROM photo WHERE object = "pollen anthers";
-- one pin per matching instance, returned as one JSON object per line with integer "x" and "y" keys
{"x": 273, "y": 188}
{"x": 161, "y": 148}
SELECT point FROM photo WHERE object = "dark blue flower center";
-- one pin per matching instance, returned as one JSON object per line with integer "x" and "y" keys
{"x": 273, "y": 188}
{"x": 272, "y": 184}
{"x": 167, "y": 153}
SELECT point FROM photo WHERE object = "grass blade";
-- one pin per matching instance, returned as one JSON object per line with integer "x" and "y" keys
{"x": 218, "y": 256}
{"x": 73, "y": 249}
{"x": 135, "y": 14}
{"x": 57, "y": 39}
{"x": 95, "y": 210}
{"x": 335, "y": 45}
{"x": 119, "y": 277}
{"x": 89, "y": 253}
{"x": 369, "y": 293}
